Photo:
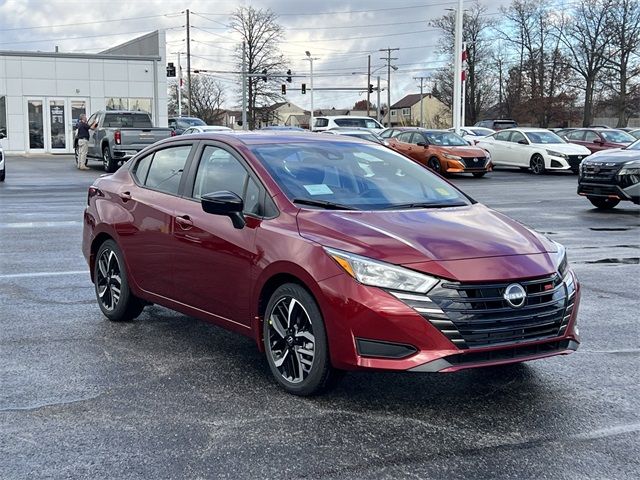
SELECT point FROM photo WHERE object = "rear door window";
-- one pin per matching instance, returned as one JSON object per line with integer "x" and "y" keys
{"x": 590, "y": 136}
{"x": 165, "y": 171}
{"x": 576, "y": 135}
{"x": 405, "y": 137}
{"x": 502, "y": 136}
{"x": 516, "y": 137}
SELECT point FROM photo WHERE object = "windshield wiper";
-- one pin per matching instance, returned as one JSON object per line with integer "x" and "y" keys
{"x": 423, "y": 205}
{"x": 323, "y": 204}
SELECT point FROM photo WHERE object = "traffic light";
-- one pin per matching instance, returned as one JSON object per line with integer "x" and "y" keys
{"x": 304, "y": 88}
{"x": 371, "y": 88}
{"x": 289, "y": 76}
{"x": 171, "y": 70}
{"x": 264, "y": 75}
{"x": 284, "y": 89}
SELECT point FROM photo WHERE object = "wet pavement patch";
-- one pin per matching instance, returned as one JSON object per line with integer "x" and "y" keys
{"x": 620, "y": 261}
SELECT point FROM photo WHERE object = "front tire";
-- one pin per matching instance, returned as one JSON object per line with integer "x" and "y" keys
{"x": 537, "y": 165}
{"x": 114, "y": 296}
{"x": 110, "y": 165}
{"x": 295, "y": 341}
{"x": 603, "y": 203}
{"x": 3, "y": 173}
{"x": 434, "y": 164}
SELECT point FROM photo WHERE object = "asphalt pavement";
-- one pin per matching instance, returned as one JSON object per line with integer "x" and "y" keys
{"x": 168, "y": 396}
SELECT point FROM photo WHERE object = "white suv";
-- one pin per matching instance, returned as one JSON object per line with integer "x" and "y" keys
{"x": 322, "y": 124}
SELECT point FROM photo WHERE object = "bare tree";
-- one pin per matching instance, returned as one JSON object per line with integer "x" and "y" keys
{"x": 624, "y": 63}
{"x": 584, "y": 34}
{"x": 479, "y": 85}
{"x": 206, "y": 99}
{"x": 262, "y": 35}
{"x": 539, "y": 78}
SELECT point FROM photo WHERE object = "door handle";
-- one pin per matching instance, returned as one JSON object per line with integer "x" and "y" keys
{"x": 125, "y": 196}
{"x": 184, "y": 221}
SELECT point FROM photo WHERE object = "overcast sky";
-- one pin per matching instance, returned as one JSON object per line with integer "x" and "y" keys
{"x": 340, "y": 33}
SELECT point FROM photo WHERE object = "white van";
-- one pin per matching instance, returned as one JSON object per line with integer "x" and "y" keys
{"x": 321, "y": 124}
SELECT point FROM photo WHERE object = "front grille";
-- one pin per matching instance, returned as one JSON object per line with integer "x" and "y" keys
{"x": 469, "y": 162}
{"x": 599, "y": 172}
{"x": 519, "y": 351}
{"x": 474, "y": 315}
{"x": 598, "y": 190}
{"x": 575, "y": 160}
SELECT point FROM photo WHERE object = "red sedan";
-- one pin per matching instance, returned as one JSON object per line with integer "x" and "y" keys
{"x": 331, "y": 253}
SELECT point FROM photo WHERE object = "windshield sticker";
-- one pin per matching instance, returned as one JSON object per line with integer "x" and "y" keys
{"x": 443, "y": 191}
{"x": 318, "y": 189}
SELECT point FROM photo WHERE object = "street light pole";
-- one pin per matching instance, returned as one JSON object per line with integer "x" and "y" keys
{"x": 311, "y": 59}
{"x": 457, "y": 62}
{"x": 388, "y": 59}
{"x": 378, "y": 106}
{"x": 368, "y": 83}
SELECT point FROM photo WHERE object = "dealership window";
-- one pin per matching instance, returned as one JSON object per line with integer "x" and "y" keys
{"x": 3, "y": 115}
{"x": 131, "y": 104}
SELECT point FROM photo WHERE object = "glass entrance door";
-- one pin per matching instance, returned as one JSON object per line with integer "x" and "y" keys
{"x": 35, "y": 124}
{"x": 77, "y": 107}
{"x": 57, "y": 126}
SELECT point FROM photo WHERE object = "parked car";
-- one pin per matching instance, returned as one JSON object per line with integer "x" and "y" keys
{"x": 633, "y": 131}
{"x": 119, "y": 135}
{"x": 562, "y": 132}
{"x": 3, "y": 168}
{"x": 180, "y": 124}
{"x": 283, "y": 128}
{"x": 330, "y": 253}
{"x": 206, "y": 128}
{"x": 497, "y": 124}
{"x": 597, "y": 139}
{"x": 362, "y": 133}
{"x": 473, "y": 134}
{"x": 327, "y": 123}
{"x": 537, "y": 149}
{"x": 442, "y": 151}
{"x": 611, "y": 176}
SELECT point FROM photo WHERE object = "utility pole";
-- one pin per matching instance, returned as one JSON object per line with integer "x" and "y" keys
{"x": 311, "y": 59}
{"x": 179, "y": 87}
{"x": 244, "y": 86}
{"x": 368, "y": 83}
{"x": 378, "y": 106}
{"x": 388, "y": 59}
{"x": 463, "y": 112}
{"x": 188, "y": 64}
{"x": 421, "y": 97}
{"x": 457, "y": 70}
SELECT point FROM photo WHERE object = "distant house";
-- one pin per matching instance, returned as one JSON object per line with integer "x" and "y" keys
{"x": 277, "y": 114}
{"x": 407, "y": 111}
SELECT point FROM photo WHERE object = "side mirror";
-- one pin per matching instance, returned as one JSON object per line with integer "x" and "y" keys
{"x": 423, "y": 144}
{"x": 523, "y": 142}
{"x": 2, "y": 135}
{"x": 224, "y": 203}
{"x": 598, "y": 141}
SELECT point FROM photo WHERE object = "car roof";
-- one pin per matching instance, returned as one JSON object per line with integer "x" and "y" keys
{"x": 265, "y": 137}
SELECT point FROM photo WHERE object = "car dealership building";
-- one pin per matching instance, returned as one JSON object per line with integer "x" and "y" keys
{"x": 42, "y": 94}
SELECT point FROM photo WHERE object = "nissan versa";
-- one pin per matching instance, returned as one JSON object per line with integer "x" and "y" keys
{"x": 332, "y": 253}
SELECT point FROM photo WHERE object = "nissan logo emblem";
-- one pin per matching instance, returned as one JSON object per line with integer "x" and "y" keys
{"x": 515, "y": 295}
{"x": 475, "y": 160}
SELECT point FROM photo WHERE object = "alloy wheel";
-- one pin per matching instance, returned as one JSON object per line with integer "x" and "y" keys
{"x": 537, "y": 165}
{"x": 291, "y": 340}
{"x": 108, "y": 279}
{"x": 434, "y": 164}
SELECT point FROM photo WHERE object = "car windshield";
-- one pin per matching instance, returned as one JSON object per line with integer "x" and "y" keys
{"x": 617, "y": 136}
{"x": 354, "y": 176}
{"x": 480, "y": 132}
{"x": 446, "y": 139}
{"x": 127, "y": 120}
{"x": 190, "y": 122}
{"x": 543, "y": 138}
{"x": 634, "y": 146}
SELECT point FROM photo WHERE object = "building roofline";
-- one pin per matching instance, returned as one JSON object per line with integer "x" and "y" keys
{"x": 133, "y": 40}
{"x": 84, "y": 56}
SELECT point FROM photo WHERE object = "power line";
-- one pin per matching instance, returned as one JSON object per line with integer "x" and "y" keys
{"x": 62, "y": 39}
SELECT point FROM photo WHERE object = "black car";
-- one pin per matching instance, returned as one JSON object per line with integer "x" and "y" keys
{"x": 497, "y": 124}
{"x": 180, "y": 124}
{"x": 610, "y": 176}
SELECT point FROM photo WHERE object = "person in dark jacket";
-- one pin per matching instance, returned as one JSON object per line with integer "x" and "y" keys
{"x": 84, "y": 132}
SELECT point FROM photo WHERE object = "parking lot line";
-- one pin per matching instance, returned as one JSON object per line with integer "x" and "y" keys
{"x": 43, "y": 274}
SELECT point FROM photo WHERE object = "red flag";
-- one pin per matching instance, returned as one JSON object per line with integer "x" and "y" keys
{"x": 464, "y": 75}
{"x": 465, "y": 55}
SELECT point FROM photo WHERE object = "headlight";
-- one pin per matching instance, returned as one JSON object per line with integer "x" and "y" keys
{"x": 560, "y": 259}
{"x": 488, "y": 155}
{"x": 380, "y": 274}
{"x": 451, "y": 156}
{"x": 553, "y": 153}
{"x": 631, "y": 168}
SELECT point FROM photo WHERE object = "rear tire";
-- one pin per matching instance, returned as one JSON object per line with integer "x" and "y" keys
{"x": 110, "y": 165}
{"x": 114, "y": 296}
{"x": 537, "y": 164}
{"x": 603, "y": 203}
{"x": 295, "y": 342}
{"x": 3, "y": 173}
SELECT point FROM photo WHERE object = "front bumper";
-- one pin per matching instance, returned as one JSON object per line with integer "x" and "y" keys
{"x": 369, "y": 328}
{"x": 467, "y": 165}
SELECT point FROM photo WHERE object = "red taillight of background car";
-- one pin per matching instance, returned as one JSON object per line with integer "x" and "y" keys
{"x": 173, "y": 133}
{"x": 117, "y": 136}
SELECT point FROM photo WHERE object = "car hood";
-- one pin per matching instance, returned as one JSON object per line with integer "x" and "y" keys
{"x": 467, "y": 151}
{"x": 422, "y": 235}
{"x": 614, "y": 155}
{"x": 567, "y": 148}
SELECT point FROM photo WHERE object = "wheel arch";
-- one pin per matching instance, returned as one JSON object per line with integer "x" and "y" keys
{"x": 95, "y": 246}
